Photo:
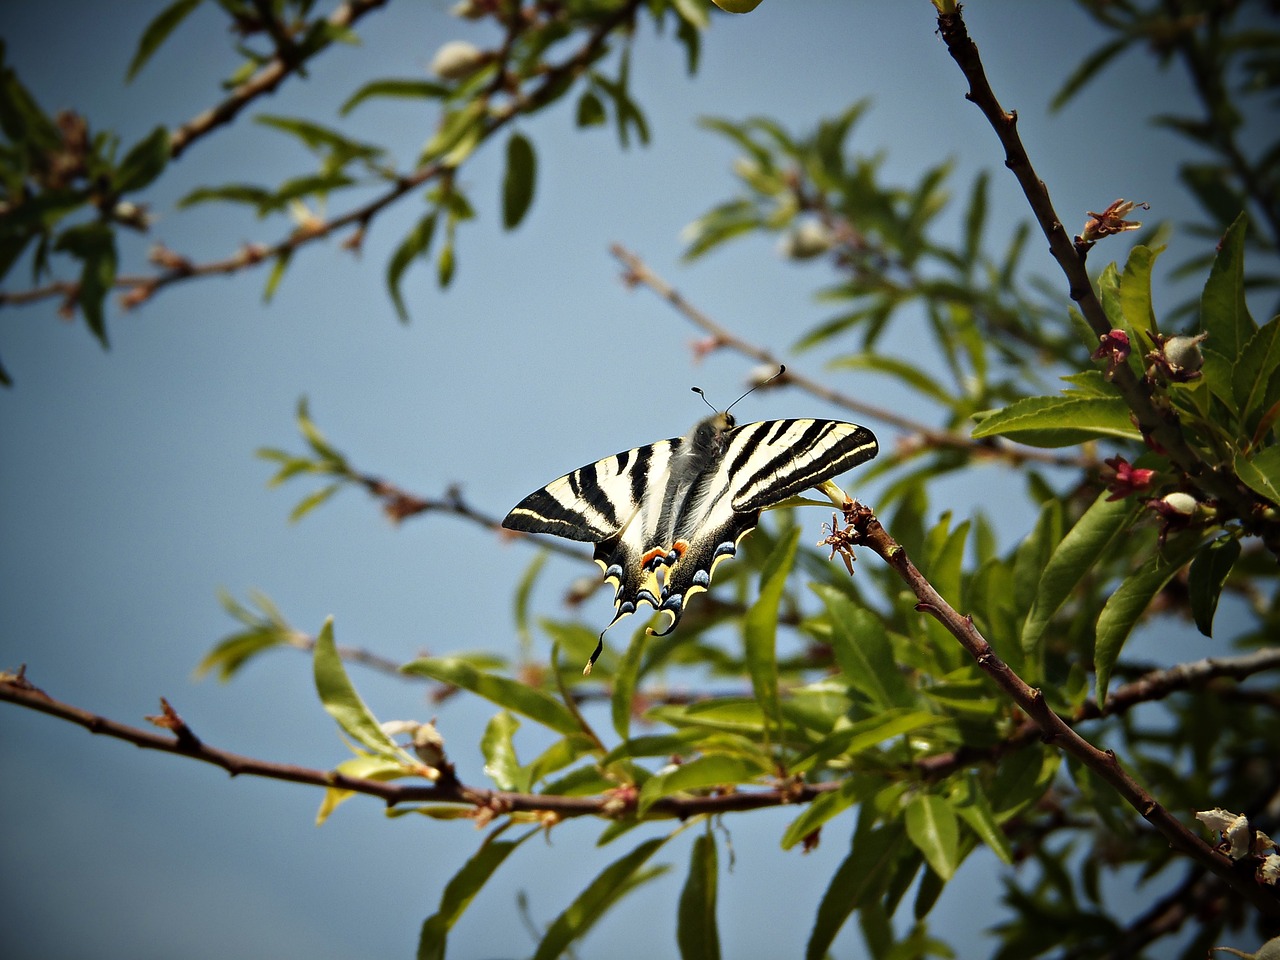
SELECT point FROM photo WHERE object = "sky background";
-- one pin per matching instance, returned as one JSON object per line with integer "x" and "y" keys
{"x": 130, "y": 494}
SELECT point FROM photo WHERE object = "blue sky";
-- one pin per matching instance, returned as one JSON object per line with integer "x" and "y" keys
{"x": 129, "y": 492}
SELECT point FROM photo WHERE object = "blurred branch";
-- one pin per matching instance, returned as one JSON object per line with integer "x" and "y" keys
{"x": 1158, "y": 423}
{"x": 638, "y": 273}
{"x": 864, "y": 529}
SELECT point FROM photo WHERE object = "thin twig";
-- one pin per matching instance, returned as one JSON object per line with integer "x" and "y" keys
{"x": 639, "y": 273}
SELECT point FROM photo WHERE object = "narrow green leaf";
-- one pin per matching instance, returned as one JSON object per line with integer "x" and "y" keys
{"x": 907, "y": 372}
{"x": 1087, "y": 69}
{"x": 696, "y": 931}
{"x": 1223, "y": 313}
{"x": 1209, "y": 571}
{"x": 342, "y": 702}
{"x": 363, "y": 767}
{"x": 590, "y": 111}
{"x": 157, "y": 31}
{"x": 499, "y": 751}
{"x": 864, "y": 871}
{"x": 1135, "y": 290}
{"x": 311, "y": 501}
{"x": 975, "y": 219}
{"x": 454, "y": 128}
{"x": 933, "y": 828}
{"x": 1253, "y": 371}
{"x": 1084, "y": 545}
{"x": 863, "y": 650}
{"x": 276, "y": 275}
{"x": 1126, "y": 605}
{"x": 461, "y": 890}
{"x": 1262, "y": 473}
{"x": 825, "y": 807}
{"x": 974, "y": 808}
{"x": 601, "y": 894}
{"x": 521, "y": 602}
{"x": 760, "y": 625}
{"x": 519, "y": 181}
{"x": 416, "y": 243}
{"x": 701, "y": 773}
{"x": 505, "y": 692}
{"x": 622, "y": 701}
{"x": 319, "y": 138}
{"x": 401, "y": 89}
{"x": 863, "y": 735}
{"x": 259, "y": 197}
{"x": 1060, "y": 421}
{"x": 446, "y": 262}
{"x": 144, "y": 162}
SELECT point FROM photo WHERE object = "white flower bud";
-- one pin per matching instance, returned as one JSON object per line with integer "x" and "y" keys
{"x": 808, "y": 240}
{"x": 1181, "y": 503}
{"x": 458, "y": 59}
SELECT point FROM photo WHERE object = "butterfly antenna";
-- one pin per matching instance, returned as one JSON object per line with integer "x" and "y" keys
{"x": 782, "y": 368}
{"x": 698, "y": 391}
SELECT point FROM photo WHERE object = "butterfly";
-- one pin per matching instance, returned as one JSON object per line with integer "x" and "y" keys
{"x": 682, "y": 505}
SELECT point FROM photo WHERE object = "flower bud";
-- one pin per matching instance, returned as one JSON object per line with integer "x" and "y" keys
{"x": 458, "y": 59}
{"x": 808, "y": 240}
{"x": 1184, "y": 352}
{"x": 1182, "y": 504}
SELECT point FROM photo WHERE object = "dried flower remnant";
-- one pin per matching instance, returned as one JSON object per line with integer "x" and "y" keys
{"x": 1123, "y": 479}
{"x": 1110, "y": 221}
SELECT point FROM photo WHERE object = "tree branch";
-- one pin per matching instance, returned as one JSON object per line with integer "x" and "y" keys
{"x": 638, "y": 273}
{"x": 1157, "y": 421}
{"x": 863, "y": 528}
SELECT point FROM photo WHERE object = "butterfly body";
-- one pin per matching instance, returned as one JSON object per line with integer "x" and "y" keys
{"x": 681, "y": 506}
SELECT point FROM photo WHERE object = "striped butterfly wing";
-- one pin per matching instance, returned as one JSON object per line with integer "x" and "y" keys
{"x": 764, "y": 464}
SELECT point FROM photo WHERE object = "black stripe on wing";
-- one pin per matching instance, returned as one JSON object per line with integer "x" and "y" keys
{"x": 782, "y": 458}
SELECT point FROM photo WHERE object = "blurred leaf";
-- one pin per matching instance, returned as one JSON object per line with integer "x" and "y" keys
{"x": 461, "y": 890}
{"x": 826, "y": 806}
{"x": 1060, "y": 421}
{"x": 416, "y": 243}
{"x": 157, "y": 31}
{"x": 519, "y": 181}
{"x": 863, "y": 872}
{"x": 521, "y": 602}
{"x": 343, "y": 703}
{"x": 505, "y": 692}
{"x": 760, "y": 625}
{"x": 696, "y": 932}
{"x": 590, "y": 110}
{"x": 1223, "y": 313}
{"x": 276, "y": 275}
{"x": 701, "y": 773}
{"x": 932, "y": 827}
{"x": 1087, "y": 69}
{"x": 1253, "y": 371}
{"x": 1131, "y": 598}
{"x": 363, "y": 767}
{"x": 974, "y": 808}
{"x": 975, "y": 219}
{"x": 313, "y": 500}
{"x": 317, "y": 137}
{"x": 454, "y": 129}
{"x": 1209, "y": 571}
{"x": 908, "y": 372}
{"x": 22, "y": 119}
{"x": 259, "y": 197}
{"x": 144, "y": 162}
{"x": 94, "y": 245}
{"x": 863, "y": 651}
{"x": 590, "y": 905}
{"x": 1091, "y": 539}
{"x": 624, "y": 684}
{"x": 401, "y": 89}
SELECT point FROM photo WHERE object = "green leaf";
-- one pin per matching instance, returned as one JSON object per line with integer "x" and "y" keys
{"x": 760, "y": 624}
{"x": 701, "y": 773}
{"x": 590, "y": 111}
{"x": 363, "y": 767}
{"x": 1086, "y": 71}
{"x": 276, "y": 275}
{"x": 1253, "y": 371}
{"x": 974, "y": 808}
{"x": 319, "y": 138}
{"x": 1262, "y": 473}
{"x": 622, "y": 701}
{"x": 933, "y": 828}
{"x": 343, "y": 703}
{"x": 461, "y": 890}
{"x": 1209, "y": 571}
{"x": 144, "y": 162}
{"x": 1126, "y": 605}
{"x": 862, "y": 735}
{"x": 863, "y": 650}
{"x": 416, "y": 243}
{"x": 908, "y": 372}
{"x": 826, "y": 806}
{"x": 157, "y": 31}
{"x": 519, "y": 181}
{"x": 402, "y": 89}
{"x": 975, "y": 219}
{"x": 505, "y": 692}
{"x": 521, "y": 601}
{"x": 581, "y": 915}
{"x": 259, "y": 197}
{"x": 455, "y": 129}
{"x": 1223, "y": 313}
{"x": 696, "y": 931}
{"x": 865, "y": 870}
{"x": 1060, "y": 421}
{"x": 1135, "y": 290}
{"x": 1085, "y": 544}
{"x": 94, "y": 245}
{"x": 500, "y": 763}
{"x": 311, "y": 501}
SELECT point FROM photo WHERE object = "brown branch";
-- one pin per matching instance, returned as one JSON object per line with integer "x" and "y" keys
{"x": 638, "y": 273}
{"x": 288, "y": 60}
{"x": 17, "y": 690}
{"x": 864, "y": 528}
{"x": 1157, "y": 420}
{"x": 1155, "y": 685}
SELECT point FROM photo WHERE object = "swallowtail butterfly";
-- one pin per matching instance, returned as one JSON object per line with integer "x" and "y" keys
{"x": 684, "y": 504}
